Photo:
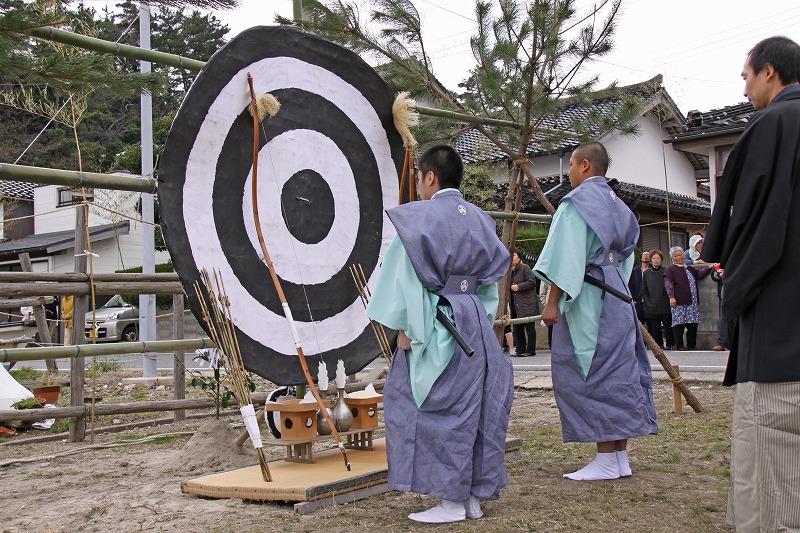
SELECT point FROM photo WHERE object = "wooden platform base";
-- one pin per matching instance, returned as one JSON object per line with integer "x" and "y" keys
{"x": 311, "y": 486}
{"x": 297, "y": 482}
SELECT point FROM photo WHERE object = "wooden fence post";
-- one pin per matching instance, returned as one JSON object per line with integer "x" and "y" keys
{"x": 39, "y": 315}
{"x": 178, "y": 370}
{"x": 77, "y": 375}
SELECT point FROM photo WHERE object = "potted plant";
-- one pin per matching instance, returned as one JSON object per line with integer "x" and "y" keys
{"x": 47, "y": 388}
{"x": 26, "y": 403}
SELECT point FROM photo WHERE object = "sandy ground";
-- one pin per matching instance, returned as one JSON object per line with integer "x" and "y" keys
{"x": 679, "y": 482}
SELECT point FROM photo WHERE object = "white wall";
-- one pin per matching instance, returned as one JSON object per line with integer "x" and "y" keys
{"x": 117, "y": 253}
{"x": 637, "y": 160}
{"x": 641, "y": 160}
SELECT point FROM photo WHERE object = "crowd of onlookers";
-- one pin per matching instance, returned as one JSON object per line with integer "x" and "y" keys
{"x": 665, "y": 294}
{"x": 667, "y": 298}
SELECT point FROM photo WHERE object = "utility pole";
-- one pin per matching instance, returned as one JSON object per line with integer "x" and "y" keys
{"x": 147, "y": 302}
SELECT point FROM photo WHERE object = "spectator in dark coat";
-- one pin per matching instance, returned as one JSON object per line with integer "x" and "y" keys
{"x": 655, "y": 301}
{"x": 635, "y": 285}
{"x": 524, "y": 302}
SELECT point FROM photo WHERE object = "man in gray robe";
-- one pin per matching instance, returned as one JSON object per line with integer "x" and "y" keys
{"x": 446, "y": 413}
{"x": 601, "y": 373}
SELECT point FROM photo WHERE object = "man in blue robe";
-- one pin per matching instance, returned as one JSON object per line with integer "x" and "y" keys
{"x": 601, "y": 373}
{"x": 446, "y": 413}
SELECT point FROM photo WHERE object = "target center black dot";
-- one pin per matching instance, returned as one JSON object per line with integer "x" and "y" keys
{"x": 308, "y": 206}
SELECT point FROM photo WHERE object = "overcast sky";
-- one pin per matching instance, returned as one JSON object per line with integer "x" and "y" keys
{"x": 698, "y": 45}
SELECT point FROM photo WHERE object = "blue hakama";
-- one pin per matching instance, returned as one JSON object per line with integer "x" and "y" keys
{"x": 601, "y": 373}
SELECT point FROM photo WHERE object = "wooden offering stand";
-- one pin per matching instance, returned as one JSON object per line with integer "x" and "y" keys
{"x": 299, "y": 427}
{"x": 365, "y": 420}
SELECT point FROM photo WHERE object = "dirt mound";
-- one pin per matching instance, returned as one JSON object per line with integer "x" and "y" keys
{"x": 211, "y": 449}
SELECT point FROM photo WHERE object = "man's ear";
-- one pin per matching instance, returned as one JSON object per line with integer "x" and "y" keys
{"x": 769, "y": 73}
{"x": 429, "y": 178}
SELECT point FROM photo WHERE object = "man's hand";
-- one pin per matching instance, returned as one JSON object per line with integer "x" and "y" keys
{"x": 403, "y": 342}
{"x": 514, "y": 288}
{"x": 550, "y": 314}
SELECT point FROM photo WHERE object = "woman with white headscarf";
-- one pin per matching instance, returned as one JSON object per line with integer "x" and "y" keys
{"x": 692, "y": 253}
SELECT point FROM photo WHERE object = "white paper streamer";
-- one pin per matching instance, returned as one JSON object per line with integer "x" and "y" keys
{"x": 250, "y": 422}
{"x": 322, "y": 376}
{"x": 340, "y": 375}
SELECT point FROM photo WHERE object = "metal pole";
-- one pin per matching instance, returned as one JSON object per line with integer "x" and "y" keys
{"x": 147, "y": 302}
{"x": 297, "y": 14}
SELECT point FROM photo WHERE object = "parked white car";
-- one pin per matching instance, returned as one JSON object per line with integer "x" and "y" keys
{"x": 117, "y": 320}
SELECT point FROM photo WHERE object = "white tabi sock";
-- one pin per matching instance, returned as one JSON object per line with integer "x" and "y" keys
{"x": 473, "y": 507}
{"x": 624, "y": 465}
{"x": 447, "y": 511}
{"x": 604, "y": 466}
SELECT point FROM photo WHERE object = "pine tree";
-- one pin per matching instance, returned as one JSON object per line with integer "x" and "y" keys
{"x": 530, "y": 60}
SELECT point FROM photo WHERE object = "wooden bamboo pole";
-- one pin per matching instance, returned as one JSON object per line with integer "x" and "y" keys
{"x": 24, "y": 302}
{"x": 178, "y": 370}
{"x": 77, "y": 373}
{"x": 528, "y": 217}
{"x": 77, "y": 277}
{"x": 93, "y": 350}
{"x": 122, "y": 50}
{"x": 39, "y": 315}
{"x": 119, "y": 408}
{"x": 674, "y": 376}
{"x": 22, "y": 290}
{"x": 677, "y": 400}
{"x": 73, "y": 178}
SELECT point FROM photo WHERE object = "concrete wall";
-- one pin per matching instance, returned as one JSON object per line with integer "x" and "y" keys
{"x": 164, "y": 326}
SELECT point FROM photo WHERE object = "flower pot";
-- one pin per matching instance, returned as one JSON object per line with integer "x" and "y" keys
{"x": 50, "y": 394}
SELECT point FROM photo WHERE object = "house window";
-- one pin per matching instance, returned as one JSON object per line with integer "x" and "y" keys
{"x": 68, "y": 196}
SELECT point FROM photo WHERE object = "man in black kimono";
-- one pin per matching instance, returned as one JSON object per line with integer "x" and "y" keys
{"x": 755, "y": 235}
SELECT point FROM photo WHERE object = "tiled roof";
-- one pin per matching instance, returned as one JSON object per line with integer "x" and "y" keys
{"x": 17, "y": 189}
{"x": 730, "y": 119}
{"x": 556, "y": 188}
{"x": 475, "y": 147}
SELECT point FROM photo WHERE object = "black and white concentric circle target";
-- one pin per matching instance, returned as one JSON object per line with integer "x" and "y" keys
{"x": 328, "y": 168}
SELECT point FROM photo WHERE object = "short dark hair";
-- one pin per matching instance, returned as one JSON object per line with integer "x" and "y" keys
{"x": 597, "y": 155}
{"x": 780, "y": 52}
{"x": 445, "y": 163}
{"x": 517, "y": 251}
{"x": 656, "y": 251}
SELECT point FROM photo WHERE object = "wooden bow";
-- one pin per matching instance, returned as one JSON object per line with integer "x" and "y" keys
{"x": 276, "y": 281}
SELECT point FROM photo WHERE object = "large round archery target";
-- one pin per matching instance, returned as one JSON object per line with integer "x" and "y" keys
{"x": 327, "y": 170}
